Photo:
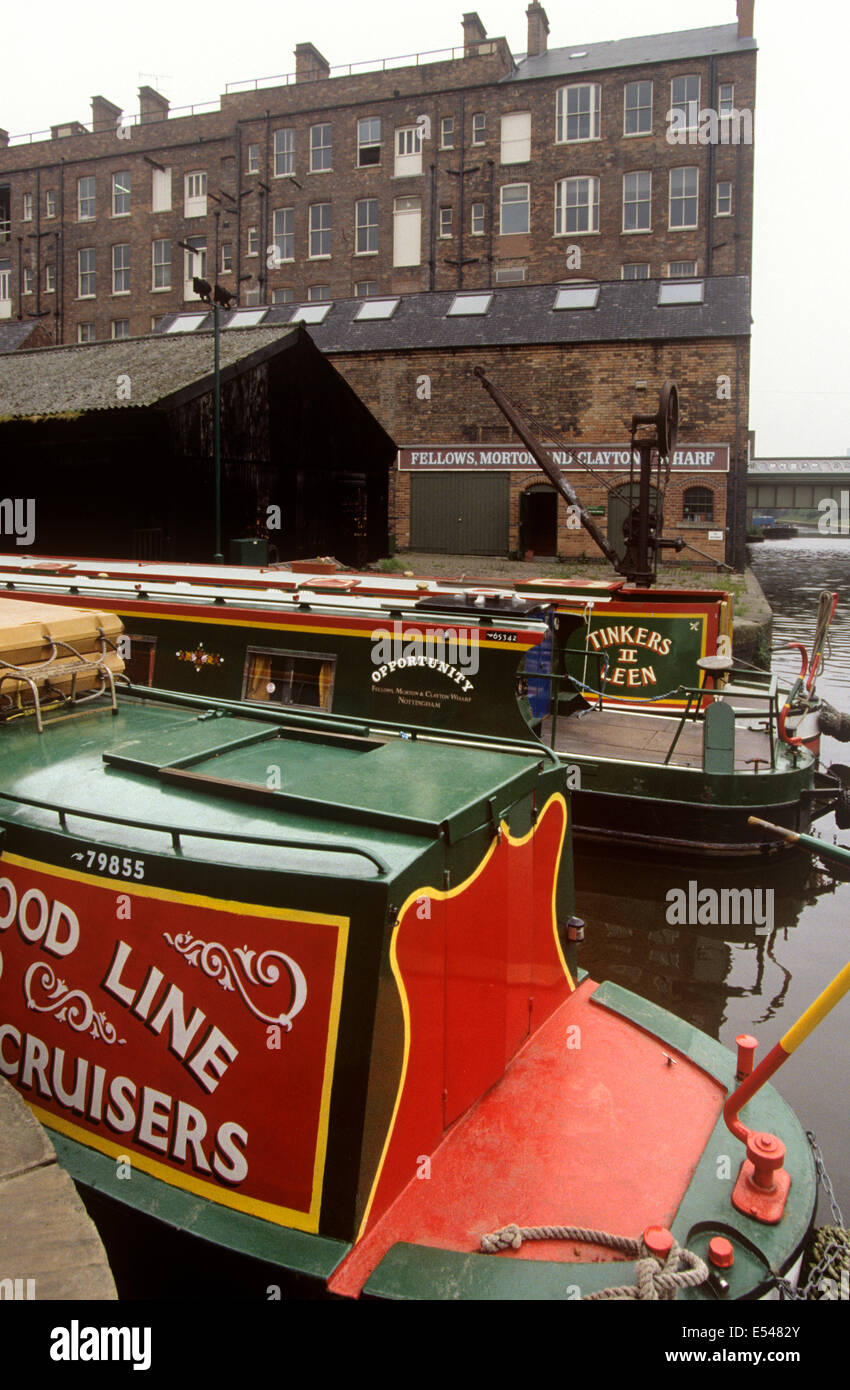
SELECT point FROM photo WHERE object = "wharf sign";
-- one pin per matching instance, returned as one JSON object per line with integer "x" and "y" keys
{"x": 690, "y": 458}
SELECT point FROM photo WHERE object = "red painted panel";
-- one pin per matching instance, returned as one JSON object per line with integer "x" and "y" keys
{"x": 196, "y": 1039}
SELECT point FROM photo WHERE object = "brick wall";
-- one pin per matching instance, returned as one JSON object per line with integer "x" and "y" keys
{"x": 218, "y": 143}
{"x": 575, "y": 394}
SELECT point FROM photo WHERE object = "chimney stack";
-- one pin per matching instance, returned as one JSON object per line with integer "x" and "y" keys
{"x": 474, "y": 33}
{"x": 538, "y": 30}
{"x": 105, "y": 115}
{"x": 309, "y": 63}
{"x": 745, "y": 18}
{"x": 152, "y": 106}
{"x": 4, "y": 139}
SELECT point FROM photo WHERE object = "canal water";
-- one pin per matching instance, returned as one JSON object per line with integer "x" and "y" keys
{"x": 728, "y": 980}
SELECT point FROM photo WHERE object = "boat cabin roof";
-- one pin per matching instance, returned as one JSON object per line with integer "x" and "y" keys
{"x": 341, "y": 802}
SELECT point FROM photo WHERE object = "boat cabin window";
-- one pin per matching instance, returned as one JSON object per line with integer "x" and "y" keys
{"x": 139, "y": 654}
{"x": 289, "y": 678}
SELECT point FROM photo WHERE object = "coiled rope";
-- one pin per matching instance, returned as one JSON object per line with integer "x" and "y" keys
{"x": 656, "y": 1279}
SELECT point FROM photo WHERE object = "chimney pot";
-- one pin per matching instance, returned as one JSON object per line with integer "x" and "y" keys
{"x": 474, "y": 33}
{"x": 310, "y": 65}
{"x": 538, "y": 30}
{"x": 152, "y": 106}
{"x": 745, "y": 18}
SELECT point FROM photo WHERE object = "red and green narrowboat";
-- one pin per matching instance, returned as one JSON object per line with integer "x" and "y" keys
{"x": 668, "y": 743}
{"x": 310, "y": 981}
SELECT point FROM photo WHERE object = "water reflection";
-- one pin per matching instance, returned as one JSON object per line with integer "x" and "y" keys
{"x": 730, "y": 979}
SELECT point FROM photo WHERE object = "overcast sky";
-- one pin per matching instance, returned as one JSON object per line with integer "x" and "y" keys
{"x": 60, "y": 54}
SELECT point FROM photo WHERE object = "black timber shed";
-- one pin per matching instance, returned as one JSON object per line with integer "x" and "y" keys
{"x": 114, "y": 444}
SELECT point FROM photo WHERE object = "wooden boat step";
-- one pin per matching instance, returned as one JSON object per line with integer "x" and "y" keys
{"x": 646, "y": 739}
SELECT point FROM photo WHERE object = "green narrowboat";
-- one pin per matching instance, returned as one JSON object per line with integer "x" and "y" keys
{"x": 668, "y": 744}
{"x": 311, "y": 981}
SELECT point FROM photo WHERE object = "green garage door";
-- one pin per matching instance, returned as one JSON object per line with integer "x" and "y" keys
{"x": 460, "y": 513}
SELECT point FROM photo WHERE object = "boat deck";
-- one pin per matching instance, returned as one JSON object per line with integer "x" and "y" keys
{"x": 625, "y": 735}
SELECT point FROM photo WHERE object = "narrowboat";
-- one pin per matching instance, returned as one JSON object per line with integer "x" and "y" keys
{"x": 310, "y": 982}
{"x": 669, "y": 744}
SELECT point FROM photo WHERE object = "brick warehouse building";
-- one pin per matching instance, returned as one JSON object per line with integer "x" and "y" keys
{"x": 470, "y": 171}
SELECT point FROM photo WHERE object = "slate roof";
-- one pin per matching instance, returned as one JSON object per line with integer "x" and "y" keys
{"x": 623, "y": 53}
{"x": 522, "y": 315}
{"x": 67, "y": 380}
{"x": 14, "y": 332}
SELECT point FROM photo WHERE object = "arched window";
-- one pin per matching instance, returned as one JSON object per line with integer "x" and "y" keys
{"x": 698, "y": 504}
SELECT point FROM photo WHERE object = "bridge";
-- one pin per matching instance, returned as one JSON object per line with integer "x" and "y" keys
{"x": 788, "y": 491}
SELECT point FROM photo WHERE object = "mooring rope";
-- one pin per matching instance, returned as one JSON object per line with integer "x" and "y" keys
{"x": 655, "y": 1279}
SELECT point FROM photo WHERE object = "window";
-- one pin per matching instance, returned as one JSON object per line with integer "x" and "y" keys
{"x": 226, "y": 257}
{"x": 464, "y": 305}
{"x": 121, "y": 269}
{"x": 5, "y": 289}
{"x": 252, "y": 162}
{"x": 161, "y": 265}
{"x": 510, "y": 274}
{"x": 408, "y": 151}
{"x": 286, "y": 296}
{"x": 365, "y": 288}
{"x": 253, "y": 241}
{"x": 637, "y": 202}
{"x": 478, "y": 216}
{"x": 194, "y": 265}
{"x": 252, "y": 294}
{"x": 321, "y": 151}
{"x": 310, "y": 313}
{"x": 447, "y": 133}
{"x": 577, "y": 112}
{"x": 445, "y": 222}
{"x": 368, "y": 141}
{"x": 196, "y": 195}
{"x": 50, "y": 203}
{"x": 576, "y": 206}
{"x": 26, "y": 215}
{"x": 120, "y": 328}
{"x": 515, "y": 209}
{"x": 156, "y": 320}
{"x": 681, "y": 292}
{"x": 366, "y": 227}
{"x": 186, "y": 323}
{"x": 579, "y": 296}
{"x": 516, "y": 138}
{"x": 284, "y": 234}
{"x": 723, "y": 200}
{"x": 320, "y": 231}
{"x": 284, "y": 153}
{"x": 698, "y": 504}
{"x": 637, "y": 103}
{"x": 634, "y": 271}
{"x": 684, "y": 195}
{"x": 377, "y": 309}
{"x": 85, "y": 273}
{"x": 289, "y": 678}
{"x": 121, "y": 193}
{"x": 681, "y": 270}
{"x": 27, "y": 279}
{"x": 85, "y": 332}
{"x": 50, "y": 279}
{"x": 684, "y": 103}
{"x": 317, "y": 294}
{"x": 85, "y": 199}
{"x": 139, "y": 661}
{"x": 407, "y": 231}
{"x": 161, "y": 190}
{"x": 246, "y": 318}
{"x": 725, "y": 99}
{"x": 479, "y": 128}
